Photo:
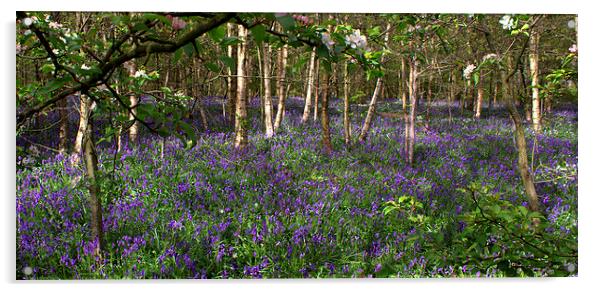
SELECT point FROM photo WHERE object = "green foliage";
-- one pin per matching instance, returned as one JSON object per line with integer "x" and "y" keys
{"x": 496, "y": 234}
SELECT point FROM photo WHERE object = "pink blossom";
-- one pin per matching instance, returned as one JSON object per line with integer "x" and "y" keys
{"x": 177, "y": 23}
{"x": 573, "y": 49}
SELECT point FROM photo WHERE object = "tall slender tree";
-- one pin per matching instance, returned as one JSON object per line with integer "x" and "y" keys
{"x": 377, "y": 90}
{"x": 267, "y": 93}
{"x": 281, "y": 111}
{"x": 534, "y": 70}
{"x": 241, "y": 122}
{"x": 310, "y": 85}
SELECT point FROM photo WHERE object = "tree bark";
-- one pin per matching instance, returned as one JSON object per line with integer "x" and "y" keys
{"x": 267, "y": 90}
{"x": 241, "y": 122}
{"x": 316, "y": 89}
{"x": 413, "y": 88}
{"x": 310, "y": 82}
{"x": 282, "y": 58}
{"x": 326, "y": 143}
{"x": 377, "y": 90}
{"x": 429, "y": 95}
{"x": 521, "y": 145}
{"x": 534, "y": 70}
{"x": 346, "y": 125}
{"x": 85, "y": 104}
{"x": 63, "y": 125}
{"x": 231, "y": 101}
{"x": 130, "y": 66}
{"x": 91, "y": 162}
{"x": 480, "y": 93}
{"x": 452, "y": 93}
{"x": 403, "y": 92}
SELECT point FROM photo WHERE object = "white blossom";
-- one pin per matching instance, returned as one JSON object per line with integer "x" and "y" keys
{"x": 54, "y": 25}
{"x": 27, "y": 21}
{"x": 468, "y": 70}
{"x": 140, "y": 73}
{"x": 27, "y": 32}
{"x": 507, "y": 22}
{"x": 327, "y": 41}
{"x": 573, "y": 49}
{"x": 356, "y": 40}
{"x": 489, "y": 56}
{"x": 85, "y": 67}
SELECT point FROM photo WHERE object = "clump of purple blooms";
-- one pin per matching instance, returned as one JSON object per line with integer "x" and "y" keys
{"x": 280, "y": 209}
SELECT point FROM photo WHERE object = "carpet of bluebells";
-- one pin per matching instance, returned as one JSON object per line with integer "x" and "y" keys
{"x": 281, "y": 208}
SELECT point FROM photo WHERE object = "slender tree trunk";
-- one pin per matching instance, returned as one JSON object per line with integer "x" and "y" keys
{"x": 524, "y": 93}
{"x": 241, "y": 122}
{"x": 452, "y": 93}
{"x": 429, "y": 95}
{"x": 324, "y": 113}
{"x": 374, "y": 100}
{"x": 130, "y": 66}
{"x": 479, "y": 104}
{"x": 310, "y": 82}
{"x": 371, "y": 111}
{"x": 91, "y": 162}
{"x": 402, "y": 91}
{"x": 260, "y": 51}
{"x": 534, "y": 69}
{"x": 346, "y": 125}
{"x": 521, "y": 144}
{"x": 85, "y": 104}
{"x": 63, "y": 125}
{"x": 282, "y": 58}
{"x": 413, "y": 104}
{"x": 316, "y": 89}
{"x": 267, "y": 90}
{"x": 231, "y": 101}
{"x": 491, "y": 94}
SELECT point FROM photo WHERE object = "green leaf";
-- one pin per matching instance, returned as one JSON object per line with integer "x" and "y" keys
{"x": 258, "y": 33}
{"x": 287, "y": 22}
{"x": 217, "y": 34}
{"x": 189, "y": 49}
{"x": 229, "y": 41}
{"x": 212, "y": 67}
{"x": 177, "y": 56}
{"x": 229, "y": 62}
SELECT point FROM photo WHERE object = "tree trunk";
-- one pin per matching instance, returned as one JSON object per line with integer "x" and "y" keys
{"x": 413, "y": 87}
{"x": 267, "y": 90}
{"x": 282, "y": 58}
{"x": 452, "y": 93}
{"x": 429, "y": 95}
{"x": 231, "y": 101}
{"x": 310, "y": 82}
{"x": 534, "y": 70}
{"x": 84, "y": 108}
{"x": 91, "y": 162}
{"x": 324, "y": 113}
{"x": 316, "y": 89}
{"x": 402, "y": 91}
{"x": 240, "y": 120}
{"x": 346, "y": 125}
{"x": 521, "y": 145}
{"x": 371, "y": 111}
{"x": 491, "y": 94}
{"x": 377, "y": 90}
{"x": 480, "y": 93}
{"x": 130, "y": 66}
{"x": 133, "y": 131}
{"x": 63, "y": 125}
